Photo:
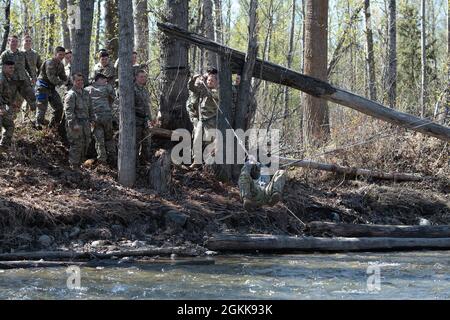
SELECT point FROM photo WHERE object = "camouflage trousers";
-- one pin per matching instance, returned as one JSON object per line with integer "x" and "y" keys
{"x": 6, "y": 128}
{"x": 143, "y": 141}
{"x": 251, "y": 190}
{"x": 79, "y": 141}
{"x": 103, "y": 133}
{"x": 43, "y": 97}
{"x": 26, "y": 91}
{"x": 202, "y": 137}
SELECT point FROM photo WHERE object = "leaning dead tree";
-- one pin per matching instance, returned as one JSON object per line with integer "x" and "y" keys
{"x": 268, "y": 71}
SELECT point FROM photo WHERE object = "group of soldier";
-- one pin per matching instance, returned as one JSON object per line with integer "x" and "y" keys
{"x": 84, "y": 113}
{"x": 81, "y": 113}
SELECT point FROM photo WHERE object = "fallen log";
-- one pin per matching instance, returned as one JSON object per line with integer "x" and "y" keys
{"x": 274, "y": 243}
{"x": 318, "y": 228}
{"x": 161, "y": 133}
{"x": 38, "y": 264}
{"x": 350, "y": 171}
{"x": 90, "y": 255}
{"x": 277, "y": 74}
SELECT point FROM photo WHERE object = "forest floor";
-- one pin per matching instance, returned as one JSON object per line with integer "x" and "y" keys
{"x": 45, "y": 205}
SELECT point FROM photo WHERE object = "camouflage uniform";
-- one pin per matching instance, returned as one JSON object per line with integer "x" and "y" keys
{"x": 22, "y": 74}
{"x": 143, "y": 115}
{"x": 265, "y": 190}
{"x": 51, "y": 76}
{"x": 102, "y": 97}
{"x": 8, "y": 94}
{"x": 202, "y": 109}
{"x": 108, "y": 71}
{"x": 35, "y": 62}
{"x": 78, "y": 112}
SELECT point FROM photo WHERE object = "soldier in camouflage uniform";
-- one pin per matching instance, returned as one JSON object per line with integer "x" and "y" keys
{"x": 79, "y": 119}
{"x": 8, "y": 95}
{"x": 52, "y": 75}
{"x": 143, "y": 115}
{"x": 103, "y": 95}
{"x": 202, "y": 109}
{"x": 105, "y": 67}
{"x": 35, "y": 62}
{"x": 258, "y": 188}
{"x": 23, "y": 71}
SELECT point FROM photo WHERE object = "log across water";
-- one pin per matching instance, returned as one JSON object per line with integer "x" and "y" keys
{"x": 274, "y": 243}
{"x": 277, "y": 74}
{"x": 318, "y": 228}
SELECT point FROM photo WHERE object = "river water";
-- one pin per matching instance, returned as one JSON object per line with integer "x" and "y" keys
{"x": 407, "y": 275}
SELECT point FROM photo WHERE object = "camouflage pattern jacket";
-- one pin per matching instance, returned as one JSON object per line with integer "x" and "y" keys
{"x": 78, "y": 107}
{"x": 102, "y": 97}
{"x": 22, "y": 69}
{"x": 203, "y": 102}
{"x": 8, "y": 92}
{"x": 142, "y": 103}
{"x": 53, "y": 73}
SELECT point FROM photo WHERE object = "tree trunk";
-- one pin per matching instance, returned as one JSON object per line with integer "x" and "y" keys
{"x": 370, "y": 52}
{"x": 392, "y": 60}
{"x": 26, "y": 17}
{"x": 64, "y": 24}
{"x": 81, "y": 37}
{"x": 423, "y": 87}
{"x": 175, "y": 66}
{"x": 352, "y": 172}
{"x": 289, "y": 65}
{"x": 316, "y": 128}
{"x": 111, "y": 31}
{"x": 208, "y": 24}
{"x": 224, "y": 118}
{"x": 219, "y": 21}
{"x": 141, "y": 32}
{"x": 447, "y": 107}
{"x": 268, "y": 71}
{"x": 318, "y": 228}
{"x": 160, "y": 172}
{"x": 97, "y": 27}
{"x": 127, "y": 126}
{"x": 7, "y": 25}
{"x": 245, "y": 94}
{"x": 246, "y": 243}
{"x": 51, "y": 38}
{"x": 340, "y": 48}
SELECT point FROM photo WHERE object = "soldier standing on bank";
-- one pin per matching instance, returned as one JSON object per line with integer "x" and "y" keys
{"x": 105, "y": 67}
{"x": 202, "y": 109}
{"x": 102, "y": 96}
{"x": 52, "y": 75}
{"x": 8, "y": 96}
{"x": 79, "y": 119}
{"x": 35, "y": 62}
{"x": 23, "y": 72}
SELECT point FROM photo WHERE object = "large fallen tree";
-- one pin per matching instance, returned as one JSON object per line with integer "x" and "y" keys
{"x": 351, "y": 171}
{"x": 251, "y": 243}
{"x": 318, "y": 228}
{"x": 277, "y": 74}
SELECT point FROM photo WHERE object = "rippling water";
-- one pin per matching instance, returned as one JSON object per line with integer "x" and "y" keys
{"x": 412, "y": 275}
